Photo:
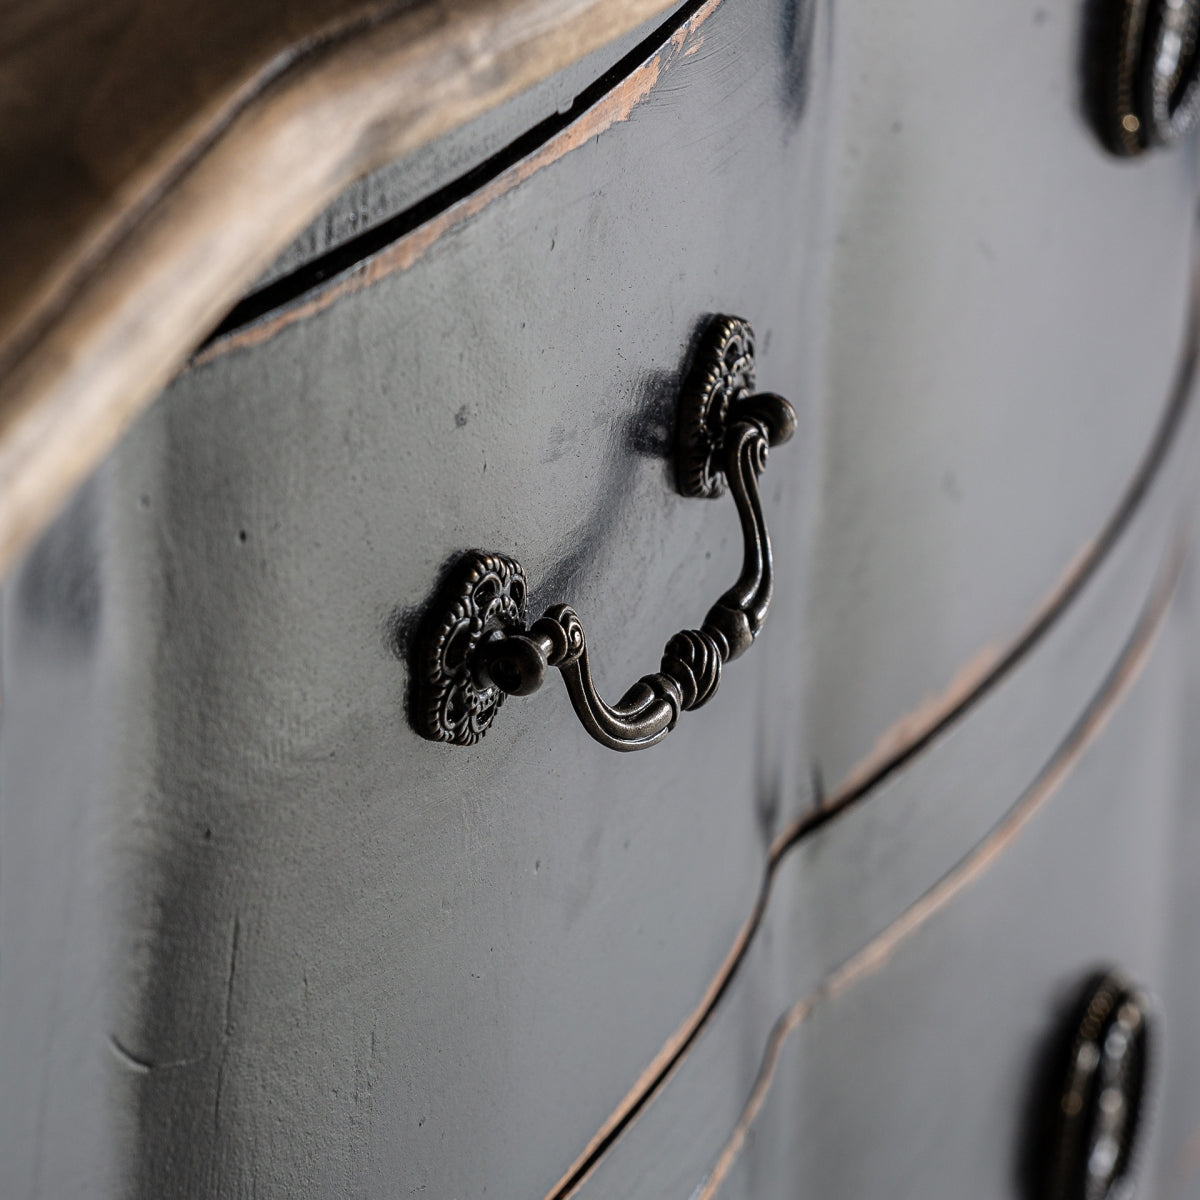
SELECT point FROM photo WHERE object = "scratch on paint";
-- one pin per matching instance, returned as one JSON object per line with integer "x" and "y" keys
{"x": 233, "y": 951}
{"x": 217, "y": 1096}
{"x": 218, "y": 1092}
{"x": 139, "y": 1065}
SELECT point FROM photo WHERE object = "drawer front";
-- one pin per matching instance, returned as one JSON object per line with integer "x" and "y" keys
{"x": 989, "y": 330}
{"x": 1007, "y": 307}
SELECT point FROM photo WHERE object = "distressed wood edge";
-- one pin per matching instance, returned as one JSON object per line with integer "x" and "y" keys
{"x": 113, "y": 217}
{"x": 407, "y": 250}
{"x": 144, "y": 300}
{"x": 616, "y": 106}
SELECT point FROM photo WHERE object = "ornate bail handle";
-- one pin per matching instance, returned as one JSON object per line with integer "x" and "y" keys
{"x": 474, "y": 648}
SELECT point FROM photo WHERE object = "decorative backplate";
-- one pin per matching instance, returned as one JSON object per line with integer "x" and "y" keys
{"x": 484, "y": 594}
{"x": 722, "y": 374}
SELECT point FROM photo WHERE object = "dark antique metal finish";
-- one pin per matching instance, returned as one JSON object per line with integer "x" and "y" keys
{"x": 1152, "y": 92}
{"x": 475, "y": 648}
{"x": 722, "y": 374}
{"x": 1101, "y": 1106}
{"x": 485, "y": 593}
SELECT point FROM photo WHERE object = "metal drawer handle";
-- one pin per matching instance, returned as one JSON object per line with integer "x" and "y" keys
{"x": 474, "y": 647}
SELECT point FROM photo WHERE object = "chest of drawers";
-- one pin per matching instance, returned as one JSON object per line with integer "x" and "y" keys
{"x": 258, "y": 936}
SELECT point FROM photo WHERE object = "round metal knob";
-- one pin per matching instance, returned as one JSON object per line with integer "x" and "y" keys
{"x": 1101, "y": 1104}
{"x": 1150, "y": 93}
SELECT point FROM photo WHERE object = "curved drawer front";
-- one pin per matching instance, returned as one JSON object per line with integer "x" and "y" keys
{"x": 1007, "y": 311}
{"x": 983, "y": 331}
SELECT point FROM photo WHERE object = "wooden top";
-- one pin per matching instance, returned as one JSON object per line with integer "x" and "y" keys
{"x": 156, "y": 158}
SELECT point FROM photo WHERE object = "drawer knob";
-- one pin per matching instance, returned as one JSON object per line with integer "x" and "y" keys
{"x": 474, "y": 647}
{"x": 1101, "y": 1102}
{"x": 1150, "y": 95}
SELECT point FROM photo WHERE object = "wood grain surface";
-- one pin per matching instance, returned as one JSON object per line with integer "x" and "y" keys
{"x": 157, "y": 158}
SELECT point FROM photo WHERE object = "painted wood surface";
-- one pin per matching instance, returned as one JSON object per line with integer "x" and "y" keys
{"x": 366, "y": 214}
{"x": 269, "y": 918}
{"x": 946, "y": 527}
{"x": 1177, "y": 1113}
